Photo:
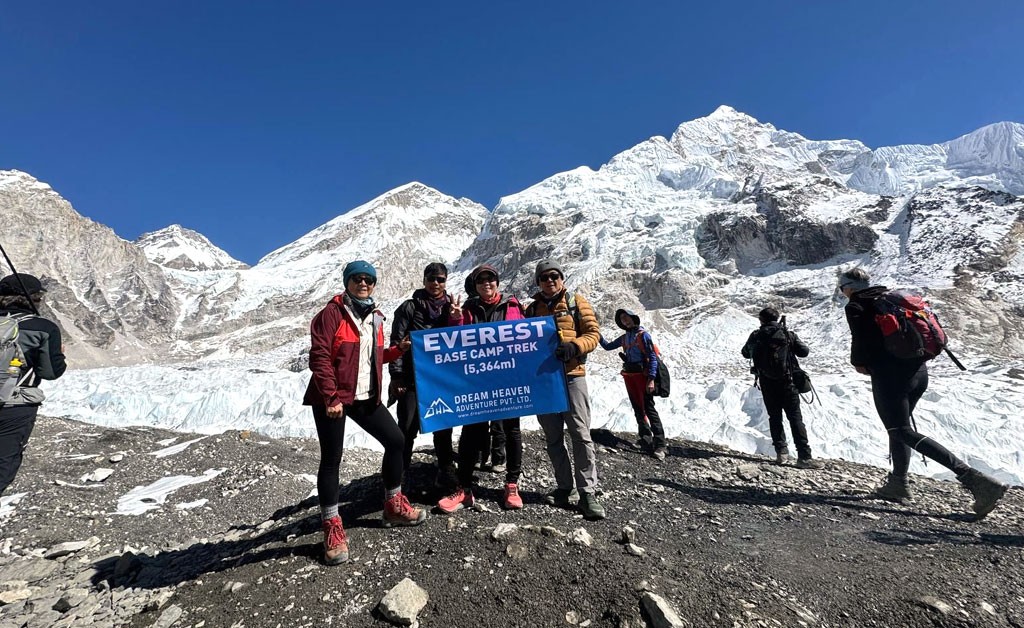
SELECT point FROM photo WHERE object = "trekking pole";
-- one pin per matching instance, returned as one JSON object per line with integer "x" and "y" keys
{"x": 17, "y": 278}
{"x": 953, "y": 357}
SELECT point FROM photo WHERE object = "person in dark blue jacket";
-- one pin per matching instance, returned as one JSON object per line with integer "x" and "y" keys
{"x": 639, "y": 371}
{"x": 40, "y": 342}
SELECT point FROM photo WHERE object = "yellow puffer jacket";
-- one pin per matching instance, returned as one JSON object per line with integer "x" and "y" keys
{"x": 586, "y": 339}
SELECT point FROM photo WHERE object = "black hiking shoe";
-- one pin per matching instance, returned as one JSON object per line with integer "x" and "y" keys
{"x": 986, "y": 490}
{"x": 894, "y": 490}
{"x": 808, "y": 463}
{"x": 562, "y": 498}
{"x": 591, "y": 508}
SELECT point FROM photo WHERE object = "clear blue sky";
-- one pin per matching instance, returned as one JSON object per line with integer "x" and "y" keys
{"x": 254, "y": 122}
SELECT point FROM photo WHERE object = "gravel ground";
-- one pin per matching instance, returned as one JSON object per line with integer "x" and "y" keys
{"x": 725, "y": 539}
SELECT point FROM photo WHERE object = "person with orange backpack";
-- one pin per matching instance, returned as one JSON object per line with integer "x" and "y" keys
{"x": 346, "y": 358}
{"x": 640, "y": 361}
{"x": 883, "y": 331}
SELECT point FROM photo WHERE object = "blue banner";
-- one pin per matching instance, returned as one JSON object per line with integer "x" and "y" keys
{"x": 488, "y": 371}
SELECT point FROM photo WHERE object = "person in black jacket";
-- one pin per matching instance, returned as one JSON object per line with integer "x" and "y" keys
{"x": 429, "y": 307}
{"x": 41, "y": 344}
{"x": 774, "y": 350}
{"x": 897, "y": 385}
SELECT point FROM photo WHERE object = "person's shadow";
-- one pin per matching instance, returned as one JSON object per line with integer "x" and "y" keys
{"x": 358, "y": 500}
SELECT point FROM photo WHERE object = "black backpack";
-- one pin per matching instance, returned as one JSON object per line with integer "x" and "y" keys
{"x": 772, "y": 358}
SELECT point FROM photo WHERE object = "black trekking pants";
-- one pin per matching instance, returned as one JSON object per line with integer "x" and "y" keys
{"x": 374, "y": 418}
{"x": 779, "y": 396}
{"x": 16, "y": 423}
{"x": 474, "y": 442}
{"x": 409, "y": 422}
{"x": 896, "y": 391}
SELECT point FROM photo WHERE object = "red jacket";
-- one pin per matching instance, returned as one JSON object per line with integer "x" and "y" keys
{"x": 334, "y": 355}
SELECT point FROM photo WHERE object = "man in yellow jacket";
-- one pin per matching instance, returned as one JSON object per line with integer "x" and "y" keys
{"x": 579, "y": 333}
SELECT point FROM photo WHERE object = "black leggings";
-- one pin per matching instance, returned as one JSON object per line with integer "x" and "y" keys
{"x": 475, "y": 440}
{"x": 896, "y": 392}
{"x": 376, "y": 421}
{"x": 409, "y": 422}
{"x": 16, "y": 423}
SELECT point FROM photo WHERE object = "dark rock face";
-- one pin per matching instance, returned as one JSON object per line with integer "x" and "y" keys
{"x": 715, "y": 537}
{"x": 780, "y": 231}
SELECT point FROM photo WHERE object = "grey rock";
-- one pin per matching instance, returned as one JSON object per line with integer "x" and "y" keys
{"x": 158, "y": 601}
{"x": 935, "y": 604}
{"x": 168, "y": 618}
{"x": 15, "y": 595}
{"x": 116, "y": 458}
{"x": 580, "y": 536}
{"x": 70, "y": 547}
{"x": 628, "y": 535}
{"x": 70, "y": 599}
{"x": 748, "y": 471}
{"x": 13, "y": 585}
{"x": 98, "y": 475}
{"x": 45, "y": 618}
{"x": 635, "y": 550}
{"x": 403, "y": 603}
{"x": 504, "y": 531}
{"x": 30, "y": 571}
{"x": 659, "y": 612}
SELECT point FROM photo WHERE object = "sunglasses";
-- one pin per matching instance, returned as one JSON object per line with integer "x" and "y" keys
{"x": 486, "y": 279}
{"x": 363, "y": 279}
{"x": 550, "y": 277}
{"x": 437, "y": 279}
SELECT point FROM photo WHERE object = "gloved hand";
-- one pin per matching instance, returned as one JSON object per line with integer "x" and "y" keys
{"x": 567, "y": 351}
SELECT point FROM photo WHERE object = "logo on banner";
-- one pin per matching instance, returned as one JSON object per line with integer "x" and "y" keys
{"x": 438, "y": 407}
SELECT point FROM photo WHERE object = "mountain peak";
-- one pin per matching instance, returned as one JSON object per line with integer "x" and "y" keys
{"x": 184, "y": 249}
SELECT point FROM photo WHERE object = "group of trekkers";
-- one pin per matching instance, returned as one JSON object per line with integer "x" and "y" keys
{"x": 349, "y": 348}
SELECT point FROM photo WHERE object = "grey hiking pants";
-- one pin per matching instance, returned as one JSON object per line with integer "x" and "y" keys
{"x": 577, "y": 420}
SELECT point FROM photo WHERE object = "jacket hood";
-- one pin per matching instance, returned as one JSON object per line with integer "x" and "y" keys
{"x": 630, "y": 313}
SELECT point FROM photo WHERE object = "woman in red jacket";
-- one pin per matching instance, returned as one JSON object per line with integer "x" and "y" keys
{"x": 347, "y": 357}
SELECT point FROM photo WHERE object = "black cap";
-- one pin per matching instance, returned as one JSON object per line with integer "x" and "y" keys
{"x": 10, "y": 286}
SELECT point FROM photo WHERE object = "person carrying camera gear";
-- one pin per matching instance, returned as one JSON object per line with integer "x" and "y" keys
{"x": 36, "y": 354}
{"x": 897, "y": 384}
{"x": 579, "y": 333}
{"x": 639, "y": 372}
{"x": 774, "y": 350}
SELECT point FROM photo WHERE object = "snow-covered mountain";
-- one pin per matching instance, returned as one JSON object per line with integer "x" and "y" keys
{"x": 114, "y": 305}
{"x": 185, "y": 249}
{"x": 697, "y": 232}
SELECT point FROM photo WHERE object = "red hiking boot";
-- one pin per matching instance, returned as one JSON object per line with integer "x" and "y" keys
{"x": 335, "y": 542}
{"x": 399, "y": 512}
{"x": 458, "y": 499}
{"x": 512, "y": 500}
